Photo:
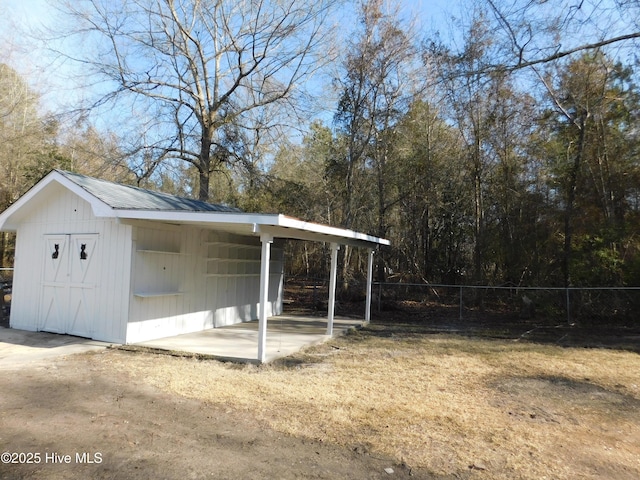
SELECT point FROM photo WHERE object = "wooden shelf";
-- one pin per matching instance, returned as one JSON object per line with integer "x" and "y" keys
{"x": 231, "y": 275}
{"x": 156, "y": 294}
{"x": 239, "y": 245}
{"x": 159, "y": 252}
{"x": 237, "y": 260}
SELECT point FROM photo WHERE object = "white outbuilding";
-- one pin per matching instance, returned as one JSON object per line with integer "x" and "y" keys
{"x": 122, "y": 264}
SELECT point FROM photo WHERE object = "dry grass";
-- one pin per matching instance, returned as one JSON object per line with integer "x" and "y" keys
{"x": 448, "y": 404}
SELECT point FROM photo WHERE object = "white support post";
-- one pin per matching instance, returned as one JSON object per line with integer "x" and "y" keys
{"x": 367, "y": 310}
{"x": 332, "y": 287}
{"x": 265, "y": 258}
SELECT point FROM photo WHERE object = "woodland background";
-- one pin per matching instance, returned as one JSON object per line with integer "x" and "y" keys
{"x": 500, "y": 148}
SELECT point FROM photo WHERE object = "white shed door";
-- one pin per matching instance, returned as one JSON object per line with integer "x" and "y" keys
{"x": 69, "y": 284}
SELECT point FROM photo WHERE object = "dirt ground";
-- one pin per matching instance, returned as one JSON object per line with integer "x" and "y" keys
{"x": 88, "y": 421}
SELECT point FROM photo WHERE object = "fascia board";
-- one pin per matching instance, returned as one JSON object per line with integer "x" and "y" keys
{"x": 294, "y": 233}
{"x": 5, "y": 217}
{"x": 277, "y": 225}
{"x": 290, "y": 222}
{"x": 198, "y": 218}
{"x": 99, "y": 208}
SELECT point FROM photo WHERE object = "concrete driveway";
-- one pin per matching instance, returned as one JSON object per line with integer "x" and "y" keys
{"x": 19, "y": 348}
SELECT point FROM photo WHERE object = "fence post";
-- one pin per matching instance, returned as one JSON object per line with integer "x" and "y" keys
{"x": 315, "y": 294}
{"x": 460, "y": 317}
{"x": 568, "y": 306}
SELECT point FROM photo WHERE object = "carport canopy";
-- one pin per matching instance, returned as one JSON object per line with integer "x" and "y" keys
{"x": 269, "y": 227}
{"x": 126, "y": 204}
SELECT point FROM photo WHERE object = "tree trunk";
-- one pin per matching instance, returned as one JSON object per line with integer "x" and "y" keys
{"x": 478, "y": 249}
{"x": 204, "y": 168}
{"x": 382, "y": 210}
{"x": 571, "y": 197}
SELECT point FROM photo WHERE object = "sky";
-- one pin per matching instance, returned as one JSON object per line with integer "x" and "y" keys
{"x": 427, "y": 15}
{"x": 16, "y": 15}
{"x": 56, "y": 90}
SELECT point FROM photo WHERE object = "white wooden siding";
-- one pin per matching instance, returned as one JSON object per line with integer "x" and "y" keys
{"x": 166, "y": 298}
{"x": 188, "y": 279}
{"x": 58, "y": 211}
{"x": 233, "y": 278}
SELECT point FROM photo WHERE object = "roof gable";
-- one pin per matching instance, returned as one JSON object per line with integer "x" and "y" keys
{"x": 106, "y": 199}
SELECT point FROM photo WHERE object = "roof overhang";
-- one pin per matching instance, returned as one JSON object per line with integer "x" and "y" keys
{"x": 275, "y": 225}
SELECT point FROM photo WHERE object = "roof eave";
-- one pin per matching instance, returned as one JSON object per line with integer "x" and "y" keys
{"x": 291, "y": 222}
{"x": 277, "y": 225}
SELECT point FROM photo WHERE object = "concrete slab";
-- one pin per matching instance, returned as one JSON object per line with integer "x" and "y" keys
{"x": 286, "y": 334}
{"x": 19, "y": 348}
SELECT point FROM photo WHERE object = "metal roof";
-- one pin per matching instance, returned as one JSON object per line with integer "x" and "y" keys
{"x": 127, "y": 197}
{"x": 129, "y": 204}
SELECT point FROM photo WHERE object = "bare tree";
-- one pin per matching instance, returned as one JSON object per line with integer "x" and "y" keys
{"x": 536, "y": 32}
{"x": 27, "y": 140}
{"x": 377, "y": 84}
{"x": 195, "y": 72}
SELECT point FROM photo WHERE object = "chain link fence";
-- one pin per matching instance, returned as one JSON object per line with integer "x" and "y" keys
{"x": 589, "y": 306}
{"x": 6, "y": 283}
{"x": 592, "y": 306}
{"x": 573, "y": 317}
